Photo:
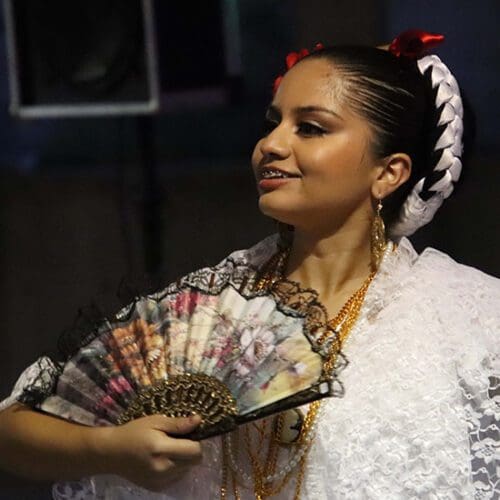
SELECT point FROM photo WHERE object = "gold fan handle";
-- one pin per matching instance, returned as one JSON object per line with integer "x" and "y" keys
{"x": 184, "y": 395}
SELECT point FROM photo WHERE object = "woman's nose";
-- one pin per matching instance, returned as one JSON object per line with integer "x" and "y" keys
{"x": 276, "y": 144}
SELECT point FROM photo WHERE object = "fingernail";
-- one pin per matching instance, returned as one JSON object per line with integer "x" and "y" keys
{"x": 194, "y": 419}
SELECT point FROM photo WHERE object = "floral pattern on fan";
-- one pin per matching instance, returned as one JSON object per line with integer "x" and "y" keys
{"x": 260, "y": 349}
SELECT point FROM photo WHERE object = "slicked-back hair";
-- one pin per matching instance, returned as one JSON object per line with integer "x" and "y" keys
{"x": 399, "y": 103}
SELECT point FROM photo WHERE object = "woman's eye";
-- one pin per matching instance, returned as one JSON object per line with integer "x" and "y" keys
{"x": 269, "y": 125}
{"x": 306, "y": 128}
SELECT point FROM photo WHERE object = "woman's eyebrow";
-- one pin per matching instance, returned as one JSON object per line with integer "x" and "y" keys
{"x": 274, "y": 111}
{"x": 312, "y": 109}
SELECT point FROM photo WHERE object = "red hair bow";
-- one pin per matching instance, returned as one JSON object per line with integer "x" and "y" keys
{"x": 414, "y": 43}
{"x": 292, "y": 59}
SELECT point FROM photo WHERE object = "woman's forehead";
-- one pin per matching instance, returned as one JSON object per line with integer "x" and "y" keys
{"x": 314, "y": 82}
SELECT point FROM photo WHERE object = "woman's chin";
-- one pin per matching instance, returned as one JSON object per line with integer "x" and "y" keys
{"x": 277, "y": 211}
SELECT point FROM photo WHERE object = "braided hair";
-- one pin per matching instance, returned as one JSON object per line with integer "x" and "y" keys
{"x": 414, "y": 107}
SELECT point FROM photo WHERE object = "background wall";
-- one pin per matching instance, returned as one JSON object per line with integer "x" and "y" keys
{"x": 70, "y": 205}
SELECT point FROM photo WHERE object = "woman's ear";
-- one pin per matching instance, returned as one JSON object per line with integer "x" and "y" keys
{"x": 394, "y": 171}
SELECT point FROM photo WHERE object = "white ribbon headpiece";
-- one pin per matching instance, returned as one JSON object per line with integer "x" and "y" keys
{"x": 415, "y": 211}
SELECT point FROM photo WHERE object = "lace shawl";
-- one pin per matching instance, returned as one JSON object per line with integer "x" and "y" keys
{"x": 421, "y": 410}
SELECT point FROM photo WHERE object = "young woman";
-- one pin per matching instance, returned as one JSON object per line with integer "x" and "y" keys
{"x": 356, "y": 136}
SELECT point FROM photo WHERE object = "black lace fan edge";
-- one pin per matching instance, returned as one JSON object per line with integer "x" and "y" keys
{"x": 91, "y": 321}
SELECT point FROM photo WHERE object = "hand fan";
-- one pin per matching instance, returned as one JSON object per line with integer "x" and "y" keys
{"x": 206, "y": 345}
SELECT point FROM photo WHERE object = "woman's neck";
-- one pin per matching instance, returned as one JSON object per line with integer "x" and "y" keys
{"x": 332, "y": 263}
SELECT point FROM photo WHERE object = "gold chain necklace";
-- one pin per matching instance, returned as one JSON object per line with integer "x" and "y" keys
{"x": 342, "y": 323}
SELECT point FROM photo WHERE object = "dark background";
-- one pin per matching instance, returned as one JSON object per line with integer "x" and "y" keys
{"x": 71, "y": 203}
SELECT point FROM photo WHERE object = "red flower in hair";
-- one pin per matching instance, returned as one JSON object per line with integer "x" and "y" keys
{"x": 414, "y": 43}
{"x": 292, "y": 59}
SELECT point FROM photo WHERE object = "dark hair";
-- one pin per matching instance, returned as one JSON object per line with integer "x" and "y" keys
{"x": 399, "y": 102}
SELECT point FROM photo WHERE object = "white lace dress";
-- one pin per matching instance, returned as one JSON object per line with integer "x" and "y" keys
{"x": 421, "y": 411}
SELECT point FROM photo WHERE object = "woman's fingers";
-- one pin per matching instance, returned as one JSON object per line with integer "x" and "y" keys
{"x": 178, "y": 449}
{"x": 166, "y": 443}
{"x": 150, "y": 451}
{"x": 179, "y": 425}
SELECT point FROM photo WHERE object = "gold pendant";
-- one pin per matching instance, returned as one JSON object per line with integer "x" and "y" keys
{"x": 290, "y": 426}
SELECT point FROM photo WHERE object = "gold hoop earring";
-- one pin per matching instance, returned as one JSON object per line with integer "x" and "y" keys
{"x": 378, "y": 240}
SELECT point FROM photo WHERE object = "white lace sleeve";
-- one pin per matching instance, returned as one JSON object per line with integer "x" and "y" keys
{"x": 479, "y": 378}
{"x": 34, "y": 380}
{"x": 471, "y": 314}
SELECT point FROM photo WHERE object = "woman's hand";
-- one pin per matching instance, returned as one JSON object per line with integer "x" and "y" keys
{"x": 148, "y": 451}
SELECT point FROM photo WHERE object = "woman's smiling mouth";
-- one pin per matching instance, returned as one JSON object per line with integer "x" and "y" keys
{"x": 272, "y": 177}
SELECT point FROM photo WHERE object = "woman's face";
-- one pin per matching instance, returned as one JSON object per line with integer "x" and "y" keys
{"x": 321, "y": 144}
